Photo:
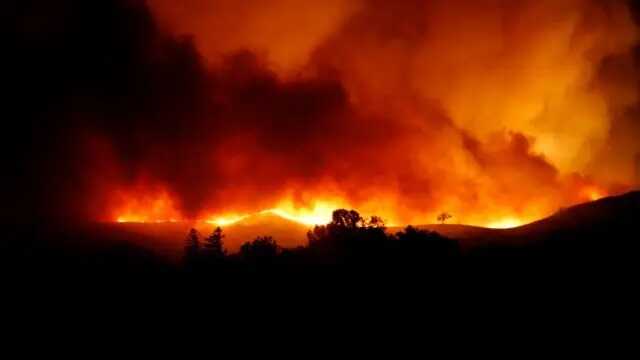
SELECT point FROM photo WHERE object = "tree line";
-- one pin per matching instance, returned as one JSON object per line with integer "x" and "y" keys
{"x": 349, "y": 239}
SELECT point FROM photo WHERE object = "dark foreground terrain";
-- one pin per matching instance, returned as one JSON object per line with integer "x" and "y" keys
{"x": 597, "y": 239}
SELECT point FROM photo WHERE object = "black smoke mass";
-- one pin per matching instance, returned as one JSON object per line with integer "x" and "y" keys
{"x": 111, "y": 104}
{"x": 107, "y": 99}
{"x": 90, "y": 69}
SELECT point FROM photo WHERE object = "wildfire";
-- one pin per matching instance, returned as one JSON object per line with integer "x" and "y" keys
{"x": 157, "y": 208}
{"x": 318, "y": 214}
{"x": 309, "y": 218}
{"x": 226, "y": 219}
{"x": 497, "y": 114}
{"x": 505, "y": 223}
{"x": 593, "y": 193}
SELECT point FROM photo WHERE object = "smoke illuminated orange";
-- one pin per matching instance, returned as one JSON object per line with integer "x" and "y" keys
{"x": 499, "y": 115}
{"x": 146, "y": 208}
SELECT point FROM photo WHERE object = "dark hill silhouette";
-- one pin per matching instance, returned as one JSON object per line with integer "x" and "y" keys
{"x": 59, "y": 250}
{"x": 619, "y": 212}
{"x": 604, "y": 219}
{"x": 288, "y": 233}
{"x": 603, "y": 232}
{"x": 165, "y": 239}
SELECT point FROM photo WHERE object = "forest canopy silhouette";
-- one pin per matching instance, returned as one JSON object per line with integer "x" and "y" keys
{"x": 348, "y": 240}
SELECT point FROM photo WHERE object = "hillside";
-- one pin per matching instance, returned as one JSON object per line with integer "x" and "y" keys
{"x": 606, "y": 227}
{"x": 286, "y": 232}
{"x": 601, "y": 223}
{"x": 167, "y": 239}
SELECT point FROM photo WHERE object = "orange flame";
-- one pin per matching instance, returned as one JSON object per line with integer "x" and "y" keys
{"x": 146, "y": 208}
{"x": 159, "y": 206}
{"x": 505, "y": 223}
{"x": 593, "y": 193}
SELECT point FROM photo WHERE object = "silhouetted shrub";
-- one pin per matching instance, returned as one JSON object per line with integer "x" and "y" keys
{"x": 262, "y": 250}
{"x": 424, "y": 244}
{"x": 443, "y": 217}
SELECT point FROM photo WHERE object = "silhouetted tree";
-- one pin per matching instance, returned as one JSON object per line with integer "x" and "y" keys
{"x": 348, "y": 240}
{"x": 262, "y": 249}
{"x": 443, "y": 217}
{"x": 192, "y": 247}
{"x": 375, "y": 222}
{"x": 214, "y": 245}
{"x": 347, "y": 218}
{"x": 318, "y": 233}
{"x": 348, "y": 237}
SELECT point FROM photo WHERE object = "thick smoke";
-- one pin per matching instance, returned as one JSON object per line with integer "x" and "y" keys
{"x": 487, "y": 109}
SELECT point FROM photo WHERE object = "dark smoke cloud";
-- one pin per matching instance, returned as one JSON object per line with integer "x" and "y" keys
{"x": 79, "y": 69}
{"x": 106, "y": 99}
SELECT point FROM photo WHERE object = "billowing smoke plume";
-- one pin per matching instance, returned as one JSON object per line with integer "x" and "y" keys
{"x": 486, "y": 109}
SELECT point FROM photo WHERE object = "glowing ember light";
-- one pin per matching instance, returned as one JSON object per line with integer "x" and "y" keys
{"x": 226, "y": 220}
{"x": 143, "y": 219}
{"x": 157, "y": 207}
{"x": 506, "y": 223}
{"x": 593, "y": 193}
{"x": 320, "y": 214}
{"x": 307, "y": 219}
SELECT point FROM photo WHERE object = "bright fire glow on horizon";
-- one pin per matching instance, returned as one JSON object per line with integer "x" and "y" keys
{"x": 160, "y": 208}
{"x": 319, "y": 214}
{"x": 505, "y": 223}
{"x": 226, "y": 220}
{"x": 143, "y": 219}
{"x": 594, "y": 193}
{"x": 310, "y": 218}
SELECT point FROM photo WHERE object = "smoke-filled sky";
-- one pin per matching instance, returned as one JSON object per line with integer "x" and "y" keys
{"x": 165, "y": 109}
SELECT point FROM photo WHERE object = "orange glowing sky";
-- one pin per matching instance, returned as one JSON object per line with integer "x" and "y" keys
{"x": 498, "y": 112}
